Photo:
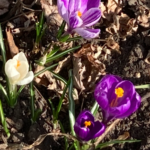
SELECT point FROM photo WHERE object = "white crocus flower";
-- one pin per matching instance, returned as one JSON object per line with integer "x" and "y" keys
{"x": 17, "y": 70}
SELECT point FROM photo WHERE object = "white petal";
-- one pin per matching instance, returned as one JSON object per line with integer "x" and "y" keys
{"x": 21, "y": 57}
{"x": 29, "y": 77}
{"x": 11, "y": 71}
{"x": 23, "y": 69}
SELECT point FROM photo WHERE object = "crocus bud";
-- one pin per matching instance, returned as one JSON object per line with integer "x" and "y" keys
{"x": 116, "y": 97}
{"x": 17, "y": 70}
{"x": 86, "y": 128}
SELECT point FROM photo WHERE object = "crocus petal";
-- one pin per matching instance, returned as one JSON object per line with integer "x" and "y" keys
{"x": 88, "y": 4}
{"x": 98, "y": 129}
{"x": 20, "y": 57}
{"x": 29, "y": 77}
{"x": 135, "y": 103}
{"x": 101, "y": 98}
{"x": 63, "y": 9}
{"x": 11, "y": 71}
{"x": 82, "y": 132}
{"x": 87, "y": 33}
{"x": 74, "y": 5}
{"x": 75, "y": 21}
{"x": 92, "y": 4}
{"x": 115, "y": 111}
{"x": 86, "y": 115}
{"x": 91, "y": 17}
{"x": 23, "y": 69}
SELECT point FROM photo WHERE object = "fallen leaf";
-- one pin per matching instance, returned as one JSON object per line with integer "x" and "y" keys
{"x": 86, "y": 67}
{"x": 111, "y": 8}
{"x": 12, "y": 46}
{"x": 122, "y": 26}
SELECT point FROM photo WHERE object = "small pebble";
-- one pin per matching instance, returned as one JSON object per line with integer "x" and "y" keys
{"x": 137, "y": 74}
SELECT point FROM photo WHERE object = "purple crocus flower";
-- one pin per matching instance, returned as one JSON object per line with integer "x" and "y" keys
{"x": 116, "y": 97}
{"x": 80, "y": 15}
{"x": 86, "y": 128}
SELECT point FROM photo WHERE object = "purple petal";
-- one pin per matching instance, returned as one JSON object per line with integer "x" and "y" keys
{"x": 91, "y": 17}
{"x": 66, "y": 3}
{"x": 97, "y": 130}
{"x": 81, "y": 132}
{"x": 88, "y": 4}
{"x": 101, "y": 98}
{"x": 74, "y": 5}
{"x": 135, "y": 104}
{"x": 86, "y": 115}
{"x": 115, "y": 111}
{"x": 92, "y": 4}
{"x": 87, "y": 33}
{"x": 63, "y": 10}
{"x": 75, "y": 21}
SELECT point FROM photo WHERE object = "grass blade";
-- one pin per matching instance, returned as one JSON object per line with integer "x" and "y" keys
{"x": 102, "y": 145}
{"x": 61, "y": 54}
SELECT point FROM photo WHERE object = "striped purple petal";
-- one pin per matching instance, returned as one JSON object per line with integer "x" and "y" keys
{"x": 87, "y": 33}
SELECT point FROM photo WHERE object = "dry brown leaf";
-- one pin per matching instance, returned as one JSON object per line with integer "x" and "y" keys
{"x": 12, "y": 46}
{"x": 112, "y": 44}
{"x": 144, "y": 17}
{"x": 124, "y": 136}
{"x": 63, "y": 64}
{"x": 51, "y": 12}
{"x": 123, "y": 25}
{"x": 86, "y": 67}
{"x": 113, "y": 7}
{"x": 48, "y": 80}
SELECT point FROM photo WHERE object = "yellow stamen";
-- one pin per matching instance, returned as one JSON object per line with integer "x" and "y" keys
{"x": 87, "y": 123}
{"x": 119, "y": 92}
{"x": 18, "y": 64}
{"x": 79, "y": 13}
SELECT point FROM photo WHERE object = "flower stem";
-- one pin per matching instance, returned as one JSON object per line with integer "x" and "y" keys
{"x": 3, "y": 120}
{"x": 12, "y": 95}
{"x": 95, "y": 108}
{"x": 72, "y": 110}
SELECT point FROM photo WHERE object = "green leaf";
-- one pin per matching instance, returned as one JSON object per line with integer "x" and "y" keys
{"x": 45, "y": 69}
{"x": 61, "y": 54}
{"x": 54, "y": 51}
{"x": 144, "y": 86}
{"x": 102, "y": 145}
{"x": 61, "y": 29}
{"x": 74, "y": 38}
{"x": 64, "y": 38}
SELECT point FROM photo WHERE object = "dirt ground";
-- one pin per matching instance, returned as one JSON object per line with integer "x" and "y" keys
{"x": 123, "y": 49}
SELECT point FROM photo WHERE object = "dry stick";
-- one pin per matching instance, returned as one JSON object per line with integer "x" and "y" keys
{"x": 111, "y": 127}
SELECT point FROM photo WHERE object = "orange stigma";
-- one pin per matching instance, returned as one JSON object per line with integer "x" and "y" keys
{"x": 87, "y": 123}
{"x": 79, "y": 13}
{"x": 119, "y": 92}
{"x": 18, "y": 64}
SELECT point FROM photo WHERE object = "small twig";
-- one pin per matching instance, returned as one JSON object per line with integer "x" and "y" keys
{"x": 111, "y": 127}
